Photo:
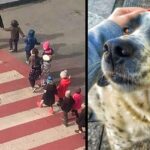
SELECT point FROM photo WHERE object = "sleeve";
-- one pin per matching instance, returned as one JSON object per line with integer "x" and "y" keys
{"x": 36, "y": 42}
{"x": 26, "y": 40}
{"x": 97, "y": 36}
{"x": 7, "y": 29}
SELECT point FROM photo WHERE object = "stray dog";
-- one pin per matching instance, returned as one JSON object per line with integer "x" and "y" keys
{"x": 124, "y": 104}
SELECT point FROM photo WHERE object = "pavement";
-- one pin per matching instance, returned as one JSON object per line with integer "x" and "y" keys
{"x": 62, "y": 23}
{"x": 12, "y": 3}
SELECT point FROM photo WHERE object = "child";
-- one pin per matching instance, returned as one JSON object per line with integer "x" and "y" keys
{"x": 30, "y": 42}
{"x": 46, "y": 64}
{"x": 63, "y": 85}
{"x": 81, "y": 120}
{"x": 15, "y": 30}
{"x": 35, "y": 63}
{"x": 48, "y": 97}
{"x": 47, "y": 48}
{"x": 78, "y": 101}
{"x": 66, "y": 106}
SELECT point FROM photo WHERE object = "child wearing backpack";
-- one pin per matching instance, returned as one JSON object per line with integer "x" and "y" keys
{"x": 30, "y": 42}
{"x": 48, "y": 97}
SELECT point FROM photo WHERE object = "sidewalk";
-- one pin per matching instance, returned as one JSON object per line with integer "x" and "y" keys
{"x": 11, "y": 3}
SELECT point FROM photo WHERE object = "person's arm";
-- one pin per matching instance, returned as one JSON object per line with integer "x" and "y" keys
{"x": 97, "y": 36}
{"x": 21, "y": 32}
{"x": 7, "y": 29}
{"x": 36, "y": 42}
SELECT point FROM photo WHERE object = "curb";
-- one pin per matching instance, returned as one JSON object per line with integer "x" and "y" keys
{"x": 17, "y": 2}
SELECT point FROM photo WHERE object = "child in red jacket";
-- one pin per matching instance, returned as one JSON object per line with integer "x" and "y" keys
{"x": 63, "y": 85}
{"x": 78, "y": 98}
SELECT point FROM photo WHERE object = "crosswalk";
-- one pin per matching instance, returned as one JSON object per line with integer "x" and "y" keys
{"x": 23, "y": 125}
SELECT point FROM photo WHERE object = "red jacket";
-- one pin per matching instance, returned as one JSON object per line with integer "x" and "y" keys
{"x": 63, "y": 86}
{"x": 78, "y": 101}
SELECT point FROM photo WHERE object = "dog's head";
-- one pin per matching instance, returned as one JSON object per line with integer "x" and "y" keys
{"x": 126, "y": 59}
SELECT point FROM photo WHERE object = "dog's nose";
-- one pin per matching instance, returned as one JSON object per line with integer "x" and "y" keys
{"x": 119, "y": 49}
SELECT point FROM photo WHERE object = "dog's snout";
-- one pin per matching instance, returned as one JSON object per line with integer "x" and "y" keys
{"x": 119, "y": 48}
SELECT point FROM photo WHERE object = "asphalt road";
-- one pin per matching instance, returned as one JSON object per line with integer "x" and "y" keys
{"x": 62, "y": 22}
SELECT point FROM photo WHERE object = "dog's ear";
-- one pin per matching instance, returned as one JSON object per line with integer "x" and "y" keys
{"x": 102, "y": 81}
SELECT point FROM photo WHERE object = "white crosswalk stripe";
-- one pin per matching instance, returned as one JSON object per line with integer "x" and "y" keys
{"x": 17, "y": 95}
{"x": 24, "y": 117}
{"x": 40, "y": 138}
{"x": 10, "y": 76}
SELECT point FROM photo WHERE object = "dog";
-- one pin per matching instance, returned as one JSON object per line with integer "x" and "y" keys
{"x": 123, "y": 105}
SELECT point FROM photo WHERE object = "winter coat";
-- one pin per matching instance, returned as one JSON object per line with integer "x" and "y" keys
{"x": 63, "y": 86}
{"x": 67, "y": 104}
{"x": 14, "y": 32}
{"x": 81, "y": 119}
{"x": 30, "y": 41}
{"x": 78, "y": 101}
{"x": 49, "y": 95}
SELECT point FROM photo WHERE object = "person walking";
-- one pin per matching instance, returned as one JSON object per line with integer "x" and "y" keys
{"x": 66, "y": 106}
{"x": 30, "y": 42}
{"x": 48, "y": 97}
{"x": 14, "y": 30}
{"x": 35, "y": 63}
{"x": 63, "y": 85}
{"x": 78, "y": 98}
{"x": 81, "y": 120}
{"x": 46, "y": 65}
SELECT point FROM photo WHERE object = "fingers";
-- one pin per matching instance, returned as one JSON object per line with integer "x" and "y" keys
{"x": 135, "y": 13}
{"x": 126, "y": 10}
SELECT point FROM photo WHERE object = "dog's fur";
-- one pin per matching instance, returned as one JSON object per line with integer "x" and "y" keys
{"x": 124, "y": 104}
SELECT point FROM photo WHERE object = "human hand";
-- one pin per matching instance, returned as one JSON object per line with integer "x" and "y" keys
{"x": 121, "y": 16}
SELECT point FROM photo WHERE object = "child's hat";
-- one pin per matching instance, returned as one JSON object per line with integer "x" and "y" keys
{"x": 47, "y": 48}
{"x": 64, "y": 74}
{"x": 49, "y": 79}
{"x": 68, "y": 93}
{"x": 46, "y": 45}
{"x": 46, "y": 57}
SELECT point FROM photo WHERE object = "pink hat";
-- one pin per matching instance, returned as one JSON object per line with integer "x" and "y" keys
{"x": 47, "y": 48}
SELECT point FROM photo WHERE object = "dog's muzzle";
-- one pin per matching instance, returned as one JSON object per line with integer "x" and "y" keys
{"x": 118, "y": 56}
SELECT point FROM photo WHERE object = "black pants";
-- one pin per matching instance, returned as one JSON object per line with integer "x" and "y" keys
{"x": 32, "y": 82}
{"x": 59, "y": 101}
{"x": 65, "y": 119}
{"x": 74, "y": 111}
{"x": 33, "y": 76}
{"x": 13, "y": 44}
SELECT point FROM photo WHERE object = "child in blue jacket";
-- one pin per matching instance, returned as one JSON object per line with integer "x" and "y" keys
{"x": 30, "y": 42}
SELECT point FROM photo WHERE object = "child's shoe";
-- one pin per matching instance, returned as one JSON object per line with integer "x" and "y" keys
{"x": 27, "y": 62}
{"x": 33, "y": 90}
{"x": 78, "y": 131}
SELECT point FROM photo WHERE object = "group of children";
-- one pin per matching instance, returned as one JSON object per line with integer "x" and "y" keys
{"x": 40, "y": 69}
